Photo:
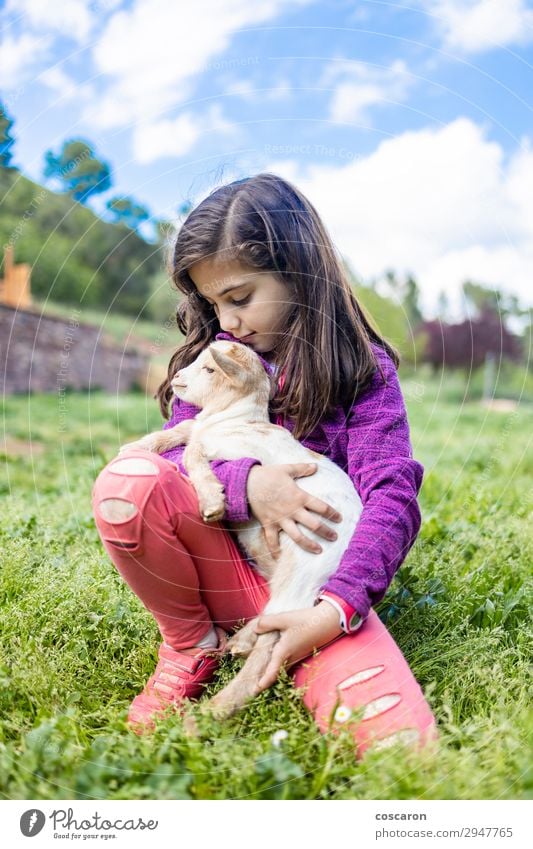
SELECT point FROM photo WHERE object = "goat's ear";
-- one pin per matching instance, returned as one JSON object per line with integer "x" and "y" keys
{"x": 230, "y": 368}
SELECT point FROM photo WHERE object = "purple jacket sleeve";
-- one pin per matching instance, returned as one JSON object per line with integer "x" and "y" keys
{"x": 388, "y": 480}
{"x": 232, "y": 474}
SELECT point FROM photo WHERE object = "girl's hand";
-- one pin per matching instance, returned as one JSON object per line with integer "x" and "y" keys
{"x": 301, "y": 632}
{"x": 278, "y": 503}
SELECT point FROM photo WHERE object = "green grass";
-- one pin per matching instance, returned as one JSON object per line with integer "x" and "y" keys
{"x": 76, "y": 644}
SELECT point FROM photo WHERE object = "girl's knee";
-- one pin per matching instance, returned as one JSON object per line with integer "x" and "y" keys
{"x": 367, "y": 682}
{"x": 121, "y": 496}
{"x": 137, "y": 489}
{"x": 137, "y": 463}
{"x": 123, "y": 480}
{"x": 130, "y": 471}
{"x": 116, "y": 510}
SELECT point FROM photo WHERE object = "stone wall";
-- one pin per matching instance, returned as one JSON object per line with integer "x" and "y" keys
{"x": 42, "y": 353}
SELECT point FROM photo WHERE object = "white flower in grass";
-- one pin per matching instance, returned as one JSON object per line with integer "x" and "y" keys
{"x": 278, "y": 737}
{"x": 342, "y": 714}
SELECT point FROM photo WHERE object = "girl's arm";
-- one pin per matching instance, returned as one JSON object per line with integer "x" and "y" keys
{"x": 232, "y": 474}
{"x": 383, "y": 471}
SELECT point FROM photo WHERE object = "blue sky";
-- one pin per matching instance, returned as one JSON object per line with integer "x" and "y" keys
{"x": 408, "y": 125}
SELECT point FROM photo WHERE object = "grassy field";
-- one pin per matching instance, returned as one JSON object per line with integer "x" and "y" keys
{"x": 76, "y": 645}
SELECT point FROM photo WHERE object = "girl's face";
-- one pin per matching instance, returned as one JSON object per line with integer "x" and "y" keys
{"x": 251, "y": 304}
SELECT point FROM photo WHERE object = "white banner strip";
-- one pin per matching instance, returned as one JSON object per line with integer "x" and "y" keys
{"x": 254, "y": 825}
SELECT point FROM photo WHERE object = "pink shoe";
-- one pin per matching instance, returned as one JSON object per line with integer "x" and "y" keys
{"x": 177, "y": 676}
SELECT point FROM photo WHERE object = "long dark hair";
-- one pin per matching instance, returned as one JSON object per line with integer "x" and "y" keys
{"x": 267, "y": 223}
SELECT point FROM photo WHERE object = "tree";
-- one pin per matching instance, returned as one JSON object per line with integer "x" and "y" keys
{"x": 6, "y": 139}
{"x": 407, "y": 293}
{"x": 481, "y": 298}
{"x": 527, "y": 338}
{"x": 411, "y": 301}
{"x": 184, "y": 208}
{"x": 443, "y": 305}
{"x": 126, "y": 211}
{"x": 78, "y": 170}
{"x": 165, "y": 231}
{"x": 468, "y": 344}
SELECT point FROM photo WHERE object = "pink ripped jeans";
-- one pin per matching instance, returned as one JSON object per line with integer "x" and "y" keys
{"x": 189, "y": 574}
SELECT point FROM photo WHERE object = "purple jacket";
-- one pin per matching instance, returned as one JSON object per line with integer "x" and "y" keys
{"x": 372, "y": 445}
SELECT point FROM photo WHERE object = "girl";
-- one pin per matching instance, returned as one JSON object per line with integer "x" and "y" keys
{"x": 257, "y": 265}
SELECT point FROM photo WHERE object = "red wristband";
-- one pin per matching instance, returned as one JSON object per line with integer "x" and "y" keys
{"x": 350, "y": 619}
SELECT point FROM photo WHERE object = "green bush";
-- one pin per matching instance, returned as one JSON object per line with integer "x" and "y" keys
{"x": 76, "y": 257}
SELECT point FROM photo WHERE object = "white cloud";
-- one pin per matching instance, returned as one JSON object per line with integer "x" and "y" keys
{"x": 19, "y": 56}
{"x": 73, "y": 19}
{"x": 64, "y": 86}
{"x": 247, "y": 89}
{"x": 30, "y": 28}
{"x": 442, "y": 203}
{"x": 244, "y": 89}
{"x": 152, "y": 50}
{"x": 177, "y": 136}
{"x": 280, "y": 91}
{"x": 358, "y": 86}
{"x": 473, "y": 26}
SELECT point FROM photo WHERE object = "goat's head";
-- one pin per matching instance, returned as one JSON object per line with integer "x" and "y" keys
{"x": 221, "y": 375}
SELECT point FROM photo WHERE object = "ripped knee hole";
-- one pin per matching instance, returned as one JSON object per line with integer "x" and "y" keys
{"x": 134, "y": 466}
{"x": 116, "y": 510}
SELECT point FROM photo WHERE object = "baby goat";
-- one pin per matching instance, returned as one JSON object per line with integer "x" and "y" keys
{"x": 230, "y": 385}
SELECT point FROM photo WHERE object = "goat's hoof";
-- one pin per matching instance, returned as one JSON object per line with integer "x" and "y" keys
{"x": 239, "y": 651}
{"x": 214, "y": 516}
{"x": 242, "y": 643}
{"x": 213, "y": 509}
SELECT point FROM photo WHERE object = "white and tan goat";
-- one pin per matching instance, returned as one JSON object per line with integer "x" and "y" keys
{"x": 229, "y": 384}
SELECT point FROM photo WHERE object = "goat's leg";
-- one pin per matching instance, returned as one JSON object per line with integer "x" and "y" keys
{"x": 208, "y": 488}
{"x": 245, "y": 685}
{"x": 162, "y": 440}
{"x": 244, "y": 640}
